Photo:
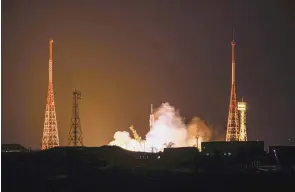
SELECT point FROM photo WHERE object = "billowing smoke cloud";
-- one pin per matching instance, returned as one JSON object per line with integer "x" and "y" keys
{"x": 198, "y": 131}
{"x": 122, "y": 137}
{"x": 168, "y": 130}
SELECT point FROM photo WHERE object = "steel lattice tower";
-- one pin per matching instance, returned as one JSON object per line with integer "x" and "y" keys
{"x": 232, "y": 132}
{"x": 75, "y": 135}
{"x": 50, "y": 133}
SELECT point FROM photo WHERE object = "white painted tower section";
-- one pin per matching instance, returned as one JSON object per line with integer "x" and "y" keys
{"x": 242, "y": 107}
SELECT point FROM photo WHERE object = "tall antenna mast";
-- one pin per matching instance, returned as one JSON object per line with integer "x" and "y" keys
{"x": 75, "y": 135}
{"x": 50, "y": 60}
{"x": 233, "y": 44}
{"x": 50, "y": 137}
{"x": 232, "y": 132}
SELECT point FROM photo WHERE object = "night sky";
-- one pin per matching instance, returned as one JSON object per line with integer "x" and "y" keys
{"x": 125, "y": 55}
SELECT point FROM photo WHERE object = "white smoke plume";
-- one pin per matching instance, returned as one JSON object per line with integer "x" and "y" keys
{"x": 122, "y": 138}
{"x": 168, "y": 130}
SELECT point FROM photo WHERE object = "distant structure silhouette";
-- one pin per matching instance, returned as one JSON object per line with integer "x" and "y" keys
{"x": 50, "y": 133}
{"x": 75, "y": 135}
{"x": 232, "y": 132}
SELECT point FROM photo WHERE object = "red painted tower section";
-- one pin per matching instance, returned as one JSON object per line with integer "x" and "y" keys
{"x": 232, "y": 132}
{"x": 50, "y": 137}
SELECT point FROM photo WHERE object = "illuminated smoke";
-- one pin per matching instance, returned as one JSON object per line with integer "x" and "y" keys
{"x": 198, "y": 132}
{"x": 121, "y": 138}
{"x": 168, "y": 130}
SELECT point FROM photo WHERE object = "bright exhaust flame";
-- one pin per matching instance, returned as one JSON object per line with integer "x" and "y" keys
{"x": 168, "y": 130}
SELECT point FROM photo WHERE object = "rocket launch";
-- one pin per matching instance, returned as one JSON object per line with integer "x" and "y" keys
{"x": 167, "y": 129}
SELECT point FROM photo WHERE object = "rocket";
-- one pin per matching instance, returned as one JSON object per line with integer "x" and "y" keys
{"x": 152, "y": 118}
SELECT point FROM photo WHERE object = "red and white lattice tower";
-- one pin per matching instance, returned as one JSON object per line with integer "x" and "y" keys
{"x": 232, "y": 132}
{"x": 50, "y": 133}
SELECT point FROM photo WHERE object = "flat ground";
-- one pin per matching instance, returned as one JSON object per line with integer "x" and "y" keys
{"x": 50, "y": 173}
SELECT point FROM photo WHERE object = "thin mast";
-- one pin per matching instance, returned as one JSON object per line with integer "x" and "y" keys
{"x": 233, "y": 44}
{"x": 50, "y": 61}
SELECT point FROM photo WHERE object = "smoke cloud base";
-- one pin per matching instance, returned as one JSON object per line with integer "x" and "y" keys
{"x": 168, "y": 131}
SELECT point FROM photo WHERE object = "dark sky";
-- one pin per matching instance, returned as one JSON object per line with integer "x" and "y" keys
{"x": 125, "y": 55}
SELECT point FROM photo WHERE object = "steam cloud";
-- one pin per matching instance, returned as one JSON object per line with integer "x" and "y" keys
{"x": 168, "y": 130}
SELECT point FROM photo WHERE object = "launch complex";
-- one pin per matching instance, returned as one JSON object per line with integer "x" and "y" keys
{"x": 236, "y": 124}
{"x": 171, "y": 152}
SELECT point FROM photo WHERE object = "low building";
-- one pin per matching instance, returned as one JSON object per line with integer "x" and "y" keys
{"x": 233, "y": 148}
{"x": 179, "y": 157}
{"x": 221, "y": 155}
{"x": 13, "y": 148}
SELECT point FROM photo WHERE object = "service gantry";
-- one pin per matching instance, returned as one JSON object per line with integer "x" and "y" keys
{"x": 135, "y": 135}
{"x": 242, "y": 107}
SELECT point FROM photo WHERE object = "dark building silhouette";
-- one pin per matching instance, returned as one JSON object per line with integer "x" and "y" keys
{"x": 13, "y": 148}
{"x": 233, "y": 148}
